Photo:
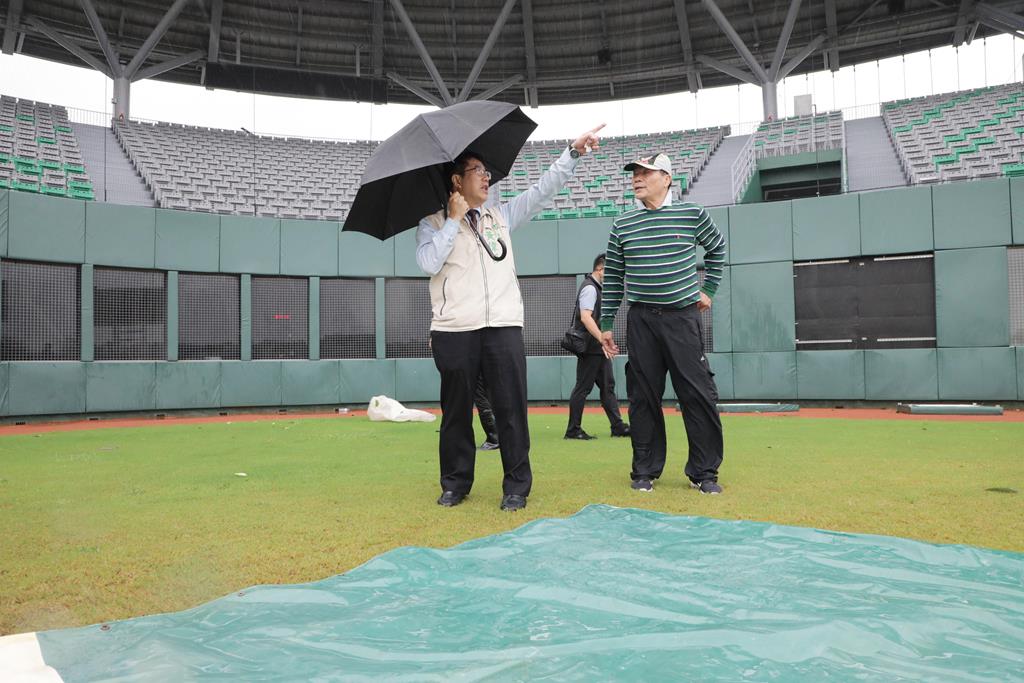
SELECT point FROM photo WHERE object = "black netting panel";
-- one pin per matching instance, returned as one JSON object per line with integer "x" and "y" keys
{"x": 130, "y": 309}
{"x": 1016, "y": 262}
{"x": 548, "y": 305}
{"x": 41, "y": 311}
{"x": 208, "y": 317}
{"x": 865, "y": 303}
{"x": 348, "y": 321}
{"x": 407, "y": 325}
{"x": 280, "y": 318}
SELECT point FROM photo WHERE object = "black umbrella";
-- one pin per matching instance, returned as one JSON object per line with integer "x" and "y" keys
{"x": 404, "y": 179}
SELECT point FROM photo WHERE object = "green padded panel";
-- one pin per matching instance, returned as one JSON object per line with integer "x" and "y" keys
{"x": 46, "y": 228}
{"x": 901, "y": 375}
{"x": 405, "y": 255}
{"x": 579, "y": 242}
{"x": 1017, "y": 209}
{"x": 543, "y": 378}
{"x": 763, "y": 310}
{"x": 251, "y": 383}
{"x": 535, "y": 247}
{"x": 310, "y": 382}
{"x": 988, "y": 374}
{"x": 567, "y": 366}
{"x": 44, "y": 388}
{"x": 830, "y": 374}
{"x": 119, "y": 235}
{"x": 972, "y": 214}
{"x": 972, "y": 297}
{"x": 720, "y": 215}
{"x": 309, "y": 247}
{"x": 896, "y": 221}
{"x": 113, "y": 386}
{"x": 88, "y": 318}
{"x": 250, "y": 245}
{"x": 417, "y": 379}
{"x": 721, "y": 314}
{"x": 360, "y": 255}
{"x": 5, "y": 214}
{"x": 363, "y": 379}
{"x": 188, "y": 384}
{"x": 721, "y": 365}
{"x": 4, "y": 380}
{"x": 764, "y": 375}
{"x": 1020, "y": 373}
{"x": 314, "y": 320}
{"x": 761, "y": 232}
{"x": 619, "y": 363}
{"x": 187, "y": 240}
{"x": 826, "y": 227}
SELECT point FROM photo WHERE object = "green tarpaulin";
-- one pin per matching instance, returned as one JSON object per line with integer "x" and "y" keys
{"x": 607, "y": 594}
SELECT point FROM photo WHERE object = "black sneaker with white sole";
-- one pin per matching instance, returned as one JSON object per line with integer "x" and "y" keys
{"x": 645, "y": 485}
{"x": 707, "y": 487}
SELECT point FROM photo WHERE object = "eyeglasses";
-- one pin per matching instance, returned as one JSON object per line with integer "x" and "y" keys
{"x": 479, "y": 170}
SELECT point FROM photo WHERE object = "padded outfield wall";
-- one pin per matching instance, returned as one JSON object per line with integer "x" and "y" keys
{"x": 968, "y": 227}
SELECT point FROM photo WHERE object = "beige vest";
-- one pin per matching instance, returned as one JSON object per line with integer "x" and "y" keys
{"x": 472, "y": 290}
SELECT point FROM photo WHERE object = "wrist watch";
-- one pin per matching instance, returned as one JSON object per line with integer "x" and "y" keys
{"x": 573, "y": 152}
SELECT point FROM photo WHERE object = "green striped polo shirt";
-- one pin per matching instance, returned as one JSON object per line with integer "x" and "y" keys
{"x": 652, "y": 258}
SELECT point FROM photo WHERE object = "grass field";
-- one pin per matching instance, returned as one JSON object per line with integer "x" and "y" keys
{"x": 112, "y": 523}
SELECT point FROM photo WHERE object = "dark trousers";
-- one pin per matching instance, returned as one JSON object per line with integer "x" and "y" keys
{"x": 664, "y": 340}
{"x": 593, "y": 368}
{"x": 484, "y": 411}
{"x": 499, "y": 355}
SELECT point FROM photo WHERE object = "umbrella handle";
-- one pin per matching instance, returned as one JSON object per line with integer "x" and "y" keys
{"x": 501, "y": 243}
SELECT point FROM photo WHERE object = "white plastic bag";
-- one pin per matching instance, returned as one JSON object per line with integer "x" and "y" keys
{"x": 384, "y": 409}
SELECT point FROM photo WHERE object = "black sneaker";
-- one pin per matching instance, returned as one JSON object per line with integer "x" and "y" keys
{"x": 621, "y": 431}
{"x": 510, "y": 502}
{"x": 581, "y": 435}
{"x": 645, "y": 485}
{"x": 450, "y": 499}
{"x": 707, "y": 487}
{"x": 488, "y": 446}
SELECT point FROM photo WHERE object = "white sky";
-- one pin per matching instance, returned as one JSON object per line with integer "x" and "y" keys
{"x": 993, "y": 61}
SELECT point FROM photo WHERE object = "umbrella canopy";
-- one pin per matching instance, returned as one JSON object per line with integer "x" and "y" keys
{"x": 404, "y": 179}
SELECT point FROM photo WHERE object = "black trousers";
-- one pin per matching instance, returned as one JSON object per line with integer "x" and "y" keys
{"x": 664, "y": 340}
{"x": 591, "y": 368}
{"x": 484, "y": 410}
{"x": 499, "y": 355}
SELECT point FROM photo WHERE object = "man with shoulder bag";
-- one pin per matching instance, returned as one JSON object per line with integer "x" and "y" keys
{"x": 593, "y": 365}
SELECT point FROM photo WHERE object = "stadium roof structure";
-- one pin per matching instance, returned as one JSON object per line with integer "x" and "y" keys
{"x": 530, "y": 52}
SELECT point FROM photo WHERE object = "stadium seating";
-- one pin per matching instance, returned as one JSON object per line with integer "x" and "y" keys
{"x": 601, "y": 187}
{"x": 223, "y": 171}
{"x": 799, "y": 134}
{"x": 39, "y": 152}
{"x": 959, "y": 136}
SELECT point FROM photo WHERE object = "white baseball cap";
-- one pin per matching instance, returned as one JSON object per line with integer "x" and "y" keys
{"x": 658, "y": 162}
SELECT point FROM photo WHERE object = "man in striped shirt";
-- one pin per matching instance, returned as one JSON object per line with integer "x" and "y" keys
{"x": 652, "y": 259}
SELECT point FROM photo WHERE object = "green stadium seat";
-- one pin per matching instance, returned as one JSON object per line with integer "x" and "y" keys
{"x": 74, "y": 168}
{"x": 45, "y": 140}
{"x": 53, "y": 191}
{"x": 607, "y": 211}
{"x": 570, "y": 213}
{"x": 548, "y": 215}
{"x": 81, "y": 194}
{"x": 4, "y": 184}
{"x": 24, "y": 187}
{"x": 590, "y": 212}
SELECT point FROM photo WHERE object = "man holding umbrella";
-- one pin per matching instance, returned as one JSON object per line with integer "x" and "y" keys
{"x": 477, "y": 321}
